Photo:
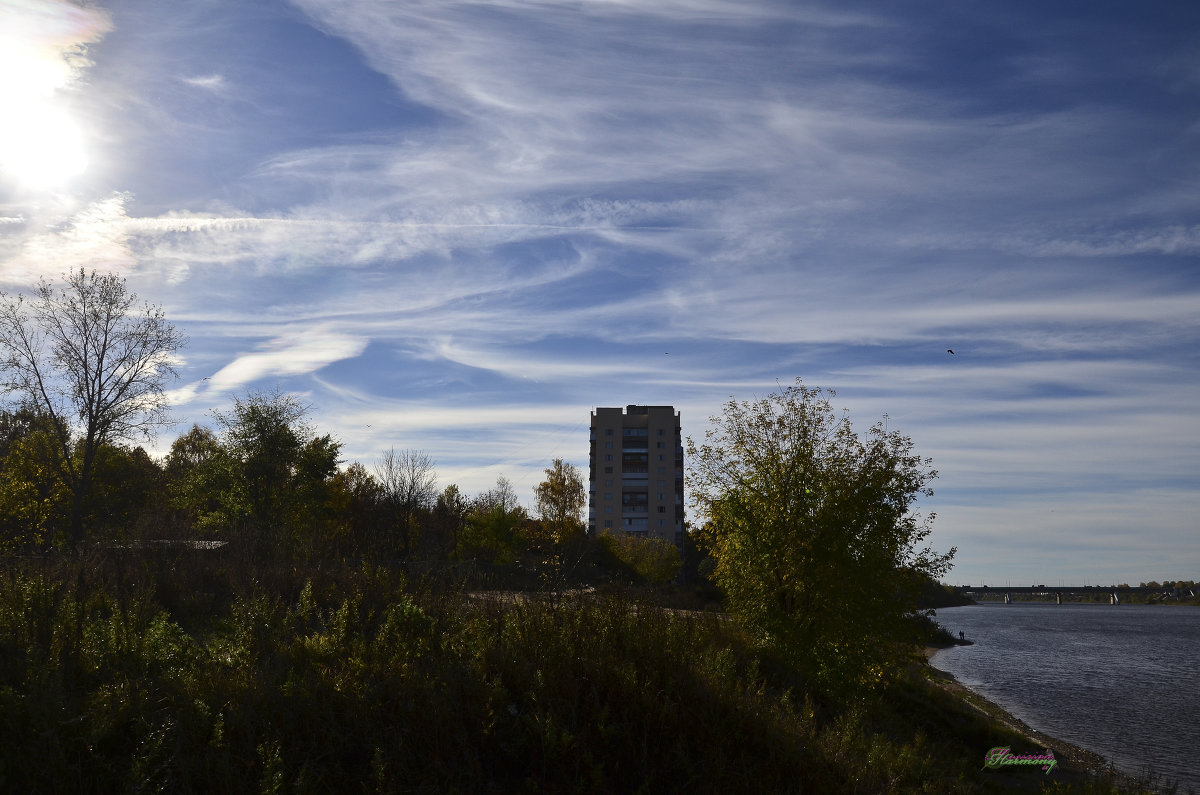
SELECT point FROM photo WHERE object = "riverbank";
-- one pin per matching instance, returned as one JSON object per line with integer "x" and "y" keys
{"x": 1075, "y": 766}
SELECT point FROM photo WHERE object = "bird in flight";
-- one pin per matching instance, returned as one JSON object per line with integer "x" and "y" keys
{"x": 949, "y": 350}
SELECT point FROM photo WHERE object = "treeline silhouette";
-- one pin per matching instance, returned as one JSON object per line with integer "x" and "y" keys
{"x": 268, "y": 485}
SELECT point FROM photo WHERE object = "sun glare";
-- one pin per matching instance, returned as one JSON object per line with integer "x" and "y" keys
{"x": 41, "y": 146}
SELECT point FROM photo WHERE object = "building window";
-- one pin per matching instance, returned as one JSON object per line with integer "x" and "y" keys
{"x": 608, "y": 509}
{"x": 608, "y": 470}
{"x": 660, "y": 523}
{"x": 659, "y": 496}
{"x": 608, "y": 483}
{"x": 608, "y": 445}
{"x": 660, "y": 458}
{"x": 660, "y": 431}
{"x": 608, "y": 522}
{"x": 607, "y": 495}
{"x": 608, "y": 457}
{"x": 608, "y": 431}
{"x": 660, "y": 470}
{"x": 662, "y": 483}
{"x": 662, "y": 509}
{"x": 660, "y": 445}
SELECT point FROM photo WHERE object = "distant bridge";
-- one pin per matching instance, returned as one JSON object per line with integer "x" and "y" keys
{"x": 1114, "y": 593}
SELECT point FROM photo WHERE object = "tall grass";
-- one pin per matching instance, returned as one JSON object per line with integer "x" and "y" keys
{"x": 167, "y": 676}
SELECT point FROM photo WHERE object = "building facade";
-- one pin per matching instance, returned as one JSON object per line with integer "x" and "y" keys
{"x": 636, "y": 484}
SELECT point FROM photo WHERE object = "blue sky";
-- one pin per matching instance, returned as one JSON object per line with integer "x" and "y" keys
{"x": 459, "y": 227}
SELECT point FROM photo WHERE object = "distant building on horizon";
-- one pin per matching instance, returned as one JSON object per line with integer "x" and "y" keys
{"x": 636, "y": 484}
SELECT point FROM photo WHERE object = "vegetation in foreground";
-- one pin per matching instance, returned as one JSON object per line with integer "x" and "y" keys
{"x": 147, "y": 673}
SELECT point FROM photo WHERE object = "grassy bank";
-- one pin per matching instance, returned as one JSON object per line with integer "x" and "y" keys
{"x": 137, "y": 675}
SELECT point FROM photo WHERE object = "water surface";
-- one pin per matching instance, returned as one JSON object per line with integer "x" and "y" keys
{"x": 1117, "y": 680}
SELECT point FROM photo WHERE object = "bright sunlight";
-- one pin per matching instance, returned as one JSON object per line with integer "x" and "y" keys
{"x": 41, "y": 146}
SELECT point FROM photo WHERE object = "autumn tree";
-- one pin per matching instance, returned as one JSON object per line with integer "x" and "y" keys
{"x": 816, "y": 543}
{"x": 560, "y": 500}
{"x": 357, "y": 504}
{"x": 94, "y": 363}
{"x": 35, "y": 505}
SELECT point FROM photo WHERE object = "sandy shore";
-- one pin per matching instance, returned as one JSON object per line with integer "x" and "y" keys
{"x": 1075, "y": 764}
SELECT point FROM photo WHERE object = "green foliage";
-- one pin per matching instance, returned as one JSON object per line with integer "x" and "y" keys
{"x": 126, "y": 492}
{"x": 279, "y": 474}
{"x": 354, "y": 682}
{"x": 447, "y": 521}
{"x": 490, "y": 531}
{"x": 490, "y": 535}
{"x": 201, "y": 476}
{"x": 354, "y": 506}
{"x": 811, "y": 527}
{"x": 652, "y": 560}
{"x": 35, "y": 504}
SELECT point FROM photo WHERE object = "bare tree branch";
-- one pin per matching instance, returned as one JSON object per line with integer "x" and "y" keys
{"x": 409, "y": 484}
{"x": 85, "y": 357}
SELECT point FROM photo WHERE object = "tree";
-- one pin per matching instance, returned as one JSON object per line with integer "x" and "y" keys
{"x": 408, "y": 482}
{"x": 127, "y": 497}
{"x": 490, "y": 530}
{"x": 502, "y": 496}
{"x": 200, "y": 476}
{"x": 34, "y": 503}
{"x": 560, "y": 500}
{"x": 816, "y": 545}
{"x": 281, "y": 469}
{"x": 92, "y": 362}
{"x": 449, "y": 516}
{"x": 358, "y": 501}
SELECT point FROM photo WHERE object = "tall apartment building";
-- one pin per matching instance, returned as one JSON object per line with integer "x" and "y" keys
{"x": 637, "y": 472}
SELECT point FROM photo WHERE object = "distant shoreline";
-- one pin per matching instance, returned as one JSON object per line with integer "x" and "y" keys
{"x": 1080, "y": 602}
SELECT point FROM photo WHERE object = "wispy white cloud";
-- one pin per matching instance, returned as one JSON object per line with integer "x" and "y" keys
{"x": 609, "y": 202}
{"x": 306, "y": 350}
{"x": 214, "y": 82}
{"x": 51, "y": 242}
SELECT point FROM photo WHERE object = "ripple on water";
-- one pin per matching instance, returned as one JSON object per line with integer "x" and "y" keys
{"x": 1116, "y": 680}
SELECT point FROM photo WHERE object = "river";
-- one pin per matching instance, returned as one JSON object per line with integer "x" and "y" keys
{"x": 1122, "y": 681}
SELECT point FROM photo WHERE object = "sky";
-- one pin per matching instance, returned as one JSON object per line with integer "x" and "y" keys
{"x": 460, "y": 226}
